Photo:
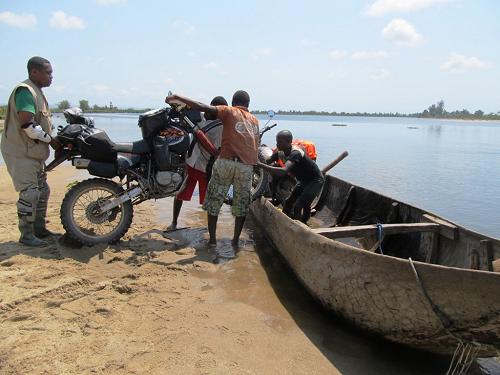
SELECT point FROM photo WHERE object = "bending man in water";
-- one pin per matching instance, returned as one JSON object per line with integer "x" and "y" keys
{"x": 298, "y": 164}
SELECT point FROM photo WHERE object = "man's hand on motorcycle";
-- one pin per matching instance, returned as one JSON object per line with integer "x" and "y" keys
{"x": 56, "y": 144}
{"x": 174, "y": 102}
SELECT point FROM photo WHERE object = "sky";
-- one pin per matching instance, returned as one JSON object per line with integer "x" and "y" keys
{"x": 365, "y": 55}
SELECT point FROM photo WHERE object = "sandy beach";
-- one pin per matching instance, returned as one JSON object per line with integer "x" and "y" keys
{"x": 163, "y": 303}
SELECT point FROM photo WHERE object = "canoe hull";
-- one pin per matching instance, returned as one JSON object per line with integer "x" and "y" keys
{"x": 382, "y": 295}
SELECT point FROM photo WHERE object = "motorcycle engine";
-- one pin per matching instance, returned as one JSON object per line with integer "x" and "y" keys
{"x": 168, "y": 180}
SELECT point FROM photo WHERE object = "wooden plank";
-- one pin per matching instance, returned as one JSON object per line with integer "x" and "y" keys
{"x": 364, "y": 230}
{"x": 485, "y": 255}
{"x": 432, "y": 247}
{"x": 446, "y": 229}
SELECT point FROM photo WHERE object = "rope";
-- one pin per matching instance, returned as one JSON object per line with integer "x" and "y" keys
{"x": 380, "y": 236}
{"x": 465, "y": 352}
{"x": 441, "y": 315}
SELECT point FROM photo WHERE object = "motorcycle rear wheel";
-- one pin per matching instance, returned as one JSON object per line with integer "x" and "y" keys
{"x": 83, "y": 221}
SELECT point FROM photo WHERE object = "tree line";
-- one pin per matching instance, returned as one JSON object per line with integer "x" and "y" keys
{"x": 436, "y": 110}
{"x": 433, "y": 111}
{"x": 84, "y": 105}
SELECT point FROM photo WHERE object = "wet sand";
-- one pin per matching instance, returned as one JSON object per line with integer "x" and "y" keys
{"x": 161, "y": 303}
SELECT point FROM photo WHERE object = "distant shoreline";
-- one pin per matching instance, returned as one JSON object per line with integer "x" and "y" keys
{"x": 137, "y": 112}
{"x": 387, "y": 115}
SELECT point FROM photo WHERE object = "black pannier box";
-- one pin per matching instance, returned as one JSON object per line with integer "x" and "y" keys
{"x": 153, "y": 121}
{"x": 93, "y": 143}
{"x": 98, "y": 147}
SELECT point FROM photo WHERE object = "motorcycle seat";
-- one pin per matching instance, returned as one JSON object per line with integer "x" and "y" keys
{"x": 137, "y": 147}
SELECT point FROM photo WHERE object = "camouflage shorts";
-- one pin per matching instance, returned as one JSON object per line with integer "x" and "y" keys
{"x": 224, "y": 174}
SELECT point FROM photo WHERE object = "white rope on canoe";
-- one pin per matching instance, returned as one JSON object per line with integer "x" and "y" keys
{"x": 466, "y": 351}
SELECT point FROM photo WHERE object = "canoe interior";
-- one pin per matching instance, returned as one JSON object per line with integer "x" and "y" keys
{"x": 451, "y": 245}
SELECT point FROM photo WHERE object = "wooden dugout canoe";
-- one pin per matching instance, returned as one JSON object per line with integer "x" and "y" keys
{"x": 446, "y": 294}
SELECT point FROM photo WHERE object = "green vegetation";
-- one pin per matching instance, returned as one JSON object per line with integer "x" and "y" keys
{"x": 84, "y": 105}
{"x": 434, "y": 111}
{"x": 3, "y": 110}
{"x": 437, "y": 111}
{"x": 63, "y": 104}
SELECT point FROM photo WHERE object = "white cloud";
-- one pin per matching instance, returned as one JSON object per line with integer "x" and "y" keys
{"x": 382, "y": 7}
{"x": 185, "y": 27}
{"x": 21, "y": 21}
{"x": 211, "y": 65}
{"x": 380, "y": 75}
{"x": 61, "y": 20}
{"x": 110, "y": 2}
{"x": 168, "y": 81}
{"x": 401, "y": 32}
{"x": 337, "y": 54}
{"x": 457, "y": 63}
{"x": 369, "y": 55}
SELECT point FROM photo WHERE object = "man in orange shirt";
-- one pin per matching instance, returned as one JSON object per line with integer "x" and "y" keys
{"x": 234, "y": 166}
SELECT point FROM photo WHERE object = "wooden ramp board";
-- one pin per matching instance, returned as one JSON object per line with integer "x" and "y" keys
{"x": 364, "y": 230}
{"x": 446, "y": 229}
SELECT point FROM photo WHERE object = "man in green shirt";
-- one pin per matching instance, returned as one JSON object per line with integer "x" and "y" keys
{"x": 25, "y": 148}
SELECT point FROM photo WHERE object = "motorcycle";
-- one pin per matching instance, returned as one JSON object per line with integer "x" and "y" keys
{"x": 100, "y": 210}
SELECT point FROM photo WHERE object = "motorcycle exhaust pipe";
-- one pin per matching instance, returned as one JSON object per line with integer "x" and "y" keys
{"x": 202, "y": 138}
{"x": 126, "y": 196}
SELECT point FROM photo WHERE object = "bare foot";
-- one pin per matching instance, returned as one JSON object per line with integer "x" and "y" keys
{"x": 212, "y": 243}
{"x": 172, "y": 226}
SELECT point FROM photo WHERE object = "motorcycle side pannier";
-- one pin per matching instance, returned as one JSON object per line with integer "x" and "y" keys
{"x": 98, "y": 147}
{"x": 93, "y": 143}
{"x": 153, "y": 121}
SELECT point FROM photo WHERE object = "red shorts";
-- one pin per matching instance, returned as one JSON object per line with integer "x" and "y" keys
{"x": 193, "y": 176}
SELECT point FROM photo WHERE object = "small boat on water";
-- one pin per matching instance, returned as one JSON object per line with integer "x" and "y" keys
{"x": 392, "y": 269}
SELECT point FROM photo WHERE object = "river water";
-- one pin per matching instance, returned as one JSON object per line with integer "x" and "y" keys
{"x": 448, "y": 167}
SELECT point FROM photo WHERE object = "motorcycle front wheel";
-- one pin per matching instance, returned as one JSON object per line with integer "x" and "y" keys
{"x": 85, "y": 223}
{"x": 260, "y": 182}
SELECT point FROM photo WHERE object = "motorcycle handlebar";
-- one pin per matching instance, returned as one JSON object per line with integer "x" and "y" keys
{"x": 267, "y": 128}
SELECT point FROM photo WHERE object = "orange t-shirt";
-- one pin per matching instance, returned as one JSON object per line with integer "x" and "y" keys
{"x": 240, "y": 134}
